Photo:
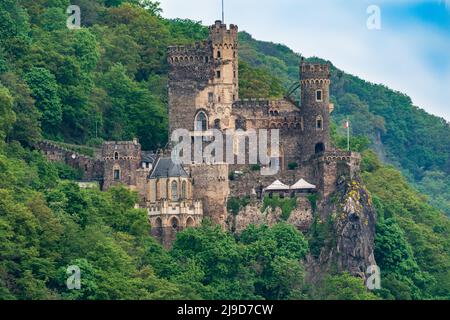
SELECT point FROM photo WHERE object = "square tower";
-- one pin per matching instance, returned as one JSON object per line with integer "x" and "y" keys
{"x": 203, "y": 81}
{"x": 121, "y": 160}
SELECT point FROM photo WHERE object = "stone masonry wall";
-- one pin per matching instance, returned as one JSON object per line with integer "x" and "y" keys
{"x": 210, "y": 184}
{"x": 91, "y": 167}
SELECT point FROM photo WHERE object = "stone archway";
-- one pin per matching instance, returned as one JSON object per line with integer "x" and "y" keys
{"x": 319, "y": 148}
{"x": 190, "y": 222}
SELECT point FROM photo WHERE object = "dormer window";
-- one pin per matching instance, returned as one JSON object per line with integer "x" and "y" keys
{"x": 319, "y": 95}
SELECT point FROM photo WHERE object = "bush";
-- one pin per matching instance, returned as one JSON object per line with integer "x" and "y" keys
{"x": 234, "y": 204}
{"x": 67, "y": 172}
{"x": 286, "y": 205}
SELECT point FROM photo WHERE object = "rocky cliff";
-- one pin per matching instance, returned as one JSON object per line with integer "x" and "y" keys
{"x": 340, "y": 228}
{"x": 301, "y": 217}
{"x": 345, "y": 226}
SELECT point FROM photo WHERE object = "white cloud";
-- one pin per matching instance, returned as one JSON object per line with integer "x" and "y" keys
{"x": 336, "y": 30}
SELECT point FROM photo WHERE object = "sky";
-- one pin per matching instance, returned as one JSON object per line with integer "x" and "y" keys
{"x": 409, "y": 52}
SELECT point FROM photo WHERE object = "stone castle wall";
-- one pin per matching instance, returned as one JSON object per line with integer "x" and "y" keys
{"x": 90, "y": 167}
{"x": 210, "y": 184}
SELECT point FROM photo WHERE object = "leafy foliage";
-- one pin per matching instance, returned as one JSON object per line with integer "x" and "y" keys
{"x": 285, "y": 204}
{"x": 412, "y": 238}
{"x": 108, "y": 80}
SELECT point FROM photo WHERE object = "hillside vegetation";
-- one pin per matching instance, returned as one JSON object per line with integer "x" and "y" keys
{"x": 108, "y": 81}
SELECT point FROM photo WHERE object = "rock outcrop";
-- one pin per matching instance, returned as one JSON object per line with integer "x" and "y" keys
{"x": 353, "y": 218}
{"x": 301, "y": 217}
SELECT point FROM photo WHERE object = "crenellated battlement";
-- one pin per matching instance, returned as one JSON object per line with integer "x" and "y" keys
{"x": 251, "y": 103}
{"x": 314, "y": 71}
{"x": 219, "y": 27}
{"x": 200, "y": 53}
{"x": 188, "y": 47}
{"x": 223, "y": 37}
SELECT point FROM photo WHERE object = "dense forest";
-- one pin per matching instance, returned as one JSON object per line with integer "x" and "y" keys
{"x": 108, "y": 80}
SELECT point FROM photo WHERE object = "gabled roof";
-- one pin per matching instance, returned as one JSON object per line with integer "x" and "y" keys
{"x": 302, "y": 185}
{"x": 277, "y": 185}
{"x": 165, "y": 168}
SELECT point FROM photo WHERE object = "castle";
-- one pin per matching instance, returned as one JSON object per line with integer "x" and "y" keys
{"x": 203, "y": 92}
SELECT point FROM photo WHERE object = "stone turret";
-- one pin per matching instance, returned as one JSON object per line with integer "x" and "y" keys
{"x": 315, "y": 108}
{"x": 224, "y": 43}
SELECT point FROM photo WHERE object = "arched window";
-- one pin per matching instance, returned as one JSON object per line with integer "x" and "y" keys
{"x": 319, "y": 123}
{"x": 174, "y": 191}
{"x": 218, "y": 54}
{"x": 320, "y": 147}
{"x": 174, "y": 223}
{"x": 116, "y": 156}
{"x": 184, "y": 190}
{"x": 190, "y": 222}
{"x": 163, "y": 189}
{"x": 201, "y": 122}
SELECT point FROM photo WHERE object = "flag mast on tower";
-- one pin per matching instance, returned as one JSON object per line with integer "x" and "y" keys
{"x": 223, "y": 12}
{"x": 347, "y": 126}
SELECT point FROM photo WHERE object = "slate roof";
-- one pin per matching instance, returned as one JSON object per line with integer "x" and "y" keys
{"x": 148, "y": 156}
{"x": 165, "y": 168}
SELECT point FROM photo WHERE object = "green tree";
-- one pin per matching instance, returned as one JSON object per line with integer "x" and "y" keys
{"x": 45, "y": 92}
{"x": 343, "y": 287}
{"x": 7, "y": 115}
{"x": 26, "y": 128}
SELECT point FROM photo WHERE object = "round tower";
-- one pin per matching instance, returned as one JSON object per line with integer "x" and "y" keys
{"x": 315, "y": 108}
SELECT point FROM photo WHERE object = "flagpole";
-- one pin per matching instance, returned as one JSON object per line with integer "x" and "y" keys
{"x": 223, "y": 14}
{"x": 348, "y": 135}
